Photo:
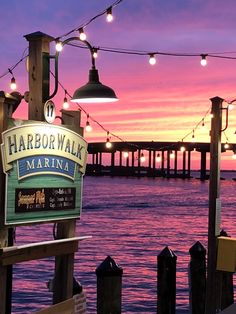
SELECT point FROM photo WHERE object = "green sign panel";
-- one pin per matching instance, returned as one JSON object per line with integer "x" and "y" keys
{"x": 44, "y": 166}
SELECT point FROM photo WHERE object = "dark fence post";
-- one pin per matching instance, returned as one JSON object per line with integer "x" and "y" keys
{"x": 197, "y": 278}
{"x": 227, "y": 290}
{"x": 109, "y": 286}
{"x": 166, "y": 281}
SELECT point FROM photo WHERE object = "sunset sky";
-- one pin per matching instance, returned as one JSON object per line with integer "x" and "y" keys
{"x": 163, "y": 102}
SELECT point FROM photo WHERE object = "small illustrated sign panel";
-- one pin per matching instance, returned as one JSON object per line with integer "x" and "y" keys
{"x": 44, "y": 166}
{"x": 30, "y": 200}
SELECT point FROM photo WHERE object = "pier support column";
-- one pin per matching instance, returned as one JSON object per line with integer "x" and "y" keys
{"x": 97, "y": 162}
{"x": 189, "y": 163}
{"x": 162, "y": 161}
{"x": 154, "y": 160}
{"x": 149, "y": 160}
{"x": 203, "y": 166}
{"x": 120, "y": 164}
{"x": 184, "y": 163}
{"x": 133, "y": 158}
{"x": 168, "y": 163}
{"x": 176, "y": 158}
{"x": 127, "y": 162}
{"x": 100, "y": 158}
{"x": 139, "y": 163}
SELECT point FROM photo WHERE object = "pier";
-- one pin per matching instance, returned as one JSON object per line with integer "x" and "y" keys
{"x": 110, "y": 161}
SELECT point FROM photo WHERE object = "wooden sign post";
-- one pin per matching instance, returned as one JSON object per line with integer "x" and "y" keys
{"x": 15, "y": 143}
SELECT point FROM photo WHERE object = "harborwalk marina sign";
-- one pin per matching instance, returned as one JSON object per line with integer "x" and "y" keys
{"x": 44, "y": 166}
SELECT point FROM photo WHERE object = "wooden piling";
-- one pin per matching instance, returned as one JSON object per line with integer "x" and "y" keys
{"x": 109, "y": 286}
{"x": 227, "y": 287}
{"x": 197, "y": 278}
{"x": 166, "y": 281}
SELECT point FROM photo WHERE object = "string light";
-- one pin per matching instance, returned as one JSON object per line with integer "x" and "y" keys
{"x": 13, "y": 80}
{"x": 182, "y": 148}
{"x": 172, "y": 154}
{"x": 95, "y": 52}
{"x": 58, "y": 46}
{"x": 88, "y": 127}
{"x": 231, "y": 106}
{"x": 65, "y": 102}
{"x": 203, "y": 60}
{"x": 152, "y": 59}
{"x": 109, "y": 15}
{"x": 82, "y": 34}
{"x": 125, "y": 154}
{"x": 234, "y": 155}
{"x": 193, "y": 137}
{"x": 142, "y": 157}
{"x": 108, "y": 143}
{"x": 158, "y": 158}
{"x": 226, "y": 146}
{"x": 13, "y": 83}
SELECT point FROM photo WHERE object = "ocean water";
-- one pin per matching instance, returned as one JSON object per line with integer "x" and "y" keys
{"x": 132, "y": 220}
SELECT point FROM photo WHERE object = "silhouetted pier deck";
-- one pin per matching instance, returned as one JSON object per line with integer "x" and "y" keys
{"x": 179, "y": 167}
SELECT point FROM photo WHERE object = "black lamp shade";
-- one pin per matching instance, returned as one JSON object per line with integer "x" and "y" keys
{"x": 94, "y": 91}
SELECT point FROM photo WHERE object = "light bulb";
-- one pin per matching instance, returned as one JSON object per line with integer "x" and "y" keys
{"x": 82, "y": 34}
{"x": 65, "y": 104}
{"x": 182, "y": 149}
{"x": 142, "y": 158}
{"x": 158, "y": 158}
{"x": 59, "y": 46}
{"x": 226, "y": 146}
{"x": 95, "y": 53}
{"x": 13, "y": 83}
{"x": 108, "y": 143}
{"x": 126, "y": 154}
{"x": 203, "y": 60}
{"x": 234, "y": 156}
{"x": 88, "y": 127}
{"x": 109, "y": 15}
{"x": 152, "y": 59}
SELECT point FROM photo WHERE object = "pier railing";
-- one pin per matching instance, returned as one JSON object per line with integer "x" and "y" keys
{"x": 110, "y": 161}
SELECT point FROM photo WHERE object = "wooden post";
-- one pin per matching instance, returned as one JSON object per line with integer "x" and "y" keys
{"x": 64, "y": 264}
{"x": 109, "y": 286}
{"x": 166, "y": 281}
{"x": 39, "y": 73}
{"x": 197, "y": 278}
{"x": 3, "y": 230}
{"x": 227, "y": 291}
{"x": 7, "y": 102}
{"x": 212, "y": 300}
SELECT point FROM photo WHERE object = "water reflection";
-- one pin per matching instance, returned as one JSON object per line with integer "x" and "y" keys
{"x": 132, "y": 220}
